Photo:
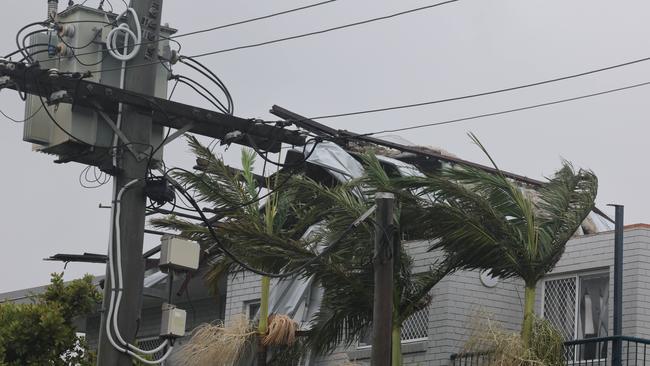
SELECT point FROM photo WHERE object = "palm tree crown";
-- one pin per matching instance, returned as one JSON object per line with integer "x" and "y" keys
{"x": 487, "y": 221}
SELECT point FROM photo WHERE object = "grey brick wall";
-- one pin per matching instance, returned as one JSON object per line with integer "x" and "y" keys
{"x": 242, "y": 287}
{"x": 595, "y": 253}
{"x": 460, "y": 297}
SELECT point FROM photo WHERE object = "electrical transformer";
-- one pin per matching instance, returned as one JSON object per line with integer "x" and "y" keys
{"x": 79, "y": 45}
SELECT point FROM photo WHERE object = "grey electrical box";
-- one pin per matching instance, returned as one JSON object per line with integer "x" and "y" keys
{"x": 84, "y": 35}
{"x": 179, "y": 254}
{"x": 172, "y": 324}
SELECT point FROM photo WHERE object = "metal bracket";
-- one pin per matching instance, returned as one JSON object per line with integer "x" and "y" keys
{"x": 177, "y": 134}
{"x": 4, "y": 81}
{"x": 365, "y": 215}
{"x": 118, "y": 132}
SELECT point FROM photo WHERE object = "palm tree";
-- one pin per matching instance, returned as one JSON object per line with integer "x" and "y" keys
{"x": 271, "y": 239}
{"x": 489, "y": 222}
{"x": 347, "y": 276}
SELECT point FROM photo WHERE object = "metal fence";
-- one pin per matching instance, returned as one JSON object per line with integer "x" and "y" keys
{"x": 471, "y": 359}
{"x": 615, "y": 351}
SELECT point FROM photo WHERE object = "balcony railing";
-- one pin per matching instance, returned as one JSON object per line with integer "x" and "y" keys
{"x": 615, "y": 351}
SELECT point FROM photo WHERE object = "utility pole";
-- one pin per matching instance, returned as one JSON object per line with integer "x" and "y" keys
{"x": 382, "y": 314}
{"x": 618, "y": 285}
{"x": 137, "y": 129}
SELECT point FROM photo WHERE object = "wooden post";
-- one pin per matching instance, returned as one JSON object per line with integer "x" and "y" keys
{"x": 382, "y": 314}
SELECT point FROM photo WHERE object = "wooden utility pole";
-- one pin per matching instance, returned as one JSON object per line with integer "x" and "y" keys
{"x": 382, "y": 314}
{"x": 137, "y": 129}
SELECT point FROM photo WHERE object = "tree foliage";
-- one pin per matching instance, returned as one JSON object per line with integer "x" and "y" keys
{"x": 345, "y": 272}
{"x": 42, "y": 332}
{"x": 488, "y": 221}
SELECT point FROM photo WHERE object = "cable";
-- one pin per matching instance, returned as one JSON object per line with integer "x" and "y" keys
{"x": 326, "y": 30}
{"x": 127, "y": 33}
{"x": 240, "y": 22}
{"x": 18, "y": 45}
{"x": 205, "y": 71}
{"x": 506, "y": 111}
{"x": 23, "y": 49}
{"x": 305, "y": 34}
{"x": 481, "y": 94}
{"x": 24, "y": 43}
{"x": 114, "y": 303}
{"x": 253, "y": 19}
{"x": 24, "y": 120}
{"x": 30, "y": 59}
{"x": 214, "y": 101}
{"x": 292, "y": 165}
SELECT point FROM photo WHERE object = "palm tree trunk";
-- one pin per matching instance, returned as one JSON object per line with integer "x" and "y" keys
{"x": 264, "y": 316}
{"x": 529, "y": 314}
{"x": 396, "y": 345}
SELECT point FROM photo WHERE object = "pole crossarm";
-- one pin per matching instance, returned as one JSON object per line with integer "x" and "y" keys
{"x": 34, "y": 80}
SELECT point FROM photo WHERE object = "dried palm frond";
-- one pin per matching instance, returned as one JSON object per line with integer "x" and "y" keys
{"x": 215, "y": 344}
{"x": 495, "y": 346}
{"x": 282, "y": 331}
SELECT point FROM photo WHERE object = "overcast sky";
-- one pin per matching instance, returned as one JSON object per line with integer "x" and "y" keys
{"x": 461, "y": 48}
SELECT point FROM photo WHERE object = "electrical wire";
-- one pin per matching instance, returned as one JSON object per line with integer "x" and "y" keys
{"x": 194, "y": 85}
{"x": 251, "y": 141}
{"x": 325, "y": 30}
{"x": 117, "y": 283}
{"x": 24, "y": 120}
{"x": 304, "y": 34}
{"x": 253, "y": 19}
{"x": 240, "y": 22}
{"x": 24, "y": 43}
{"x": 18, "y": 44}
{"x": 481, "y": 94}
{"x": 540, "y": 105}
{"x": 205, "y": 71}
{"x": 30, "y": 59}
{"x": 25, "y": 48}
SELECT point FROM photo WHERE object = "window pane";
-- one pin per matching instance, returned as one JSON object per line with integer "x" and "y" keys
{"x": 593, "y": 313}
{"x": 560, "y": 305}
{"x": 251, "y": 308}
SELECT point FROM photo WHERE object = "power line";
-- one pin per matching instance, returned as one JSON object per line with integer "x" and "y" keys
{"x": 252, "y": 19}
{"x": 469, "y": 96}
{"x": 325, "y": 30}
{"x": 292, "y": 37}
{"x": 219, "y": 27}
{"x": 505, "y": 111}
{"x": 278, "y": 40}
{"x": 481, "y": 94}
{"x": 21, "y": 120}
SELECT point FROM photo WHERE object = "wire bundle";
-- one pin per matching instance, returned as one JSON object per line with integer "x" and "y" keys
{"x": 228, "y": 107}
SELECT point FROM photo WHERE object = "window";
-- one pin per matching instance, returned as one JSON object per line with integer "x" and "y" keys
{"x": 251, "y": 308}
{"x": 414, "y": 328}
{"x": 578, "y": 307}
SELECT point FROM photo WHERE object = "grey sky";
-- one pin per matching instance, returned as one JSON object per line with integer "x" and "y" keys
{"x": 461, "y": 48}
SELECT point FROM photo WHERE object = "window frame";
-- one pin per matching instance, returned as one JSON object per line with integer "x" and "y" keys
{"x": 576, "y": 276}
{"x": 247, "y": 308}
